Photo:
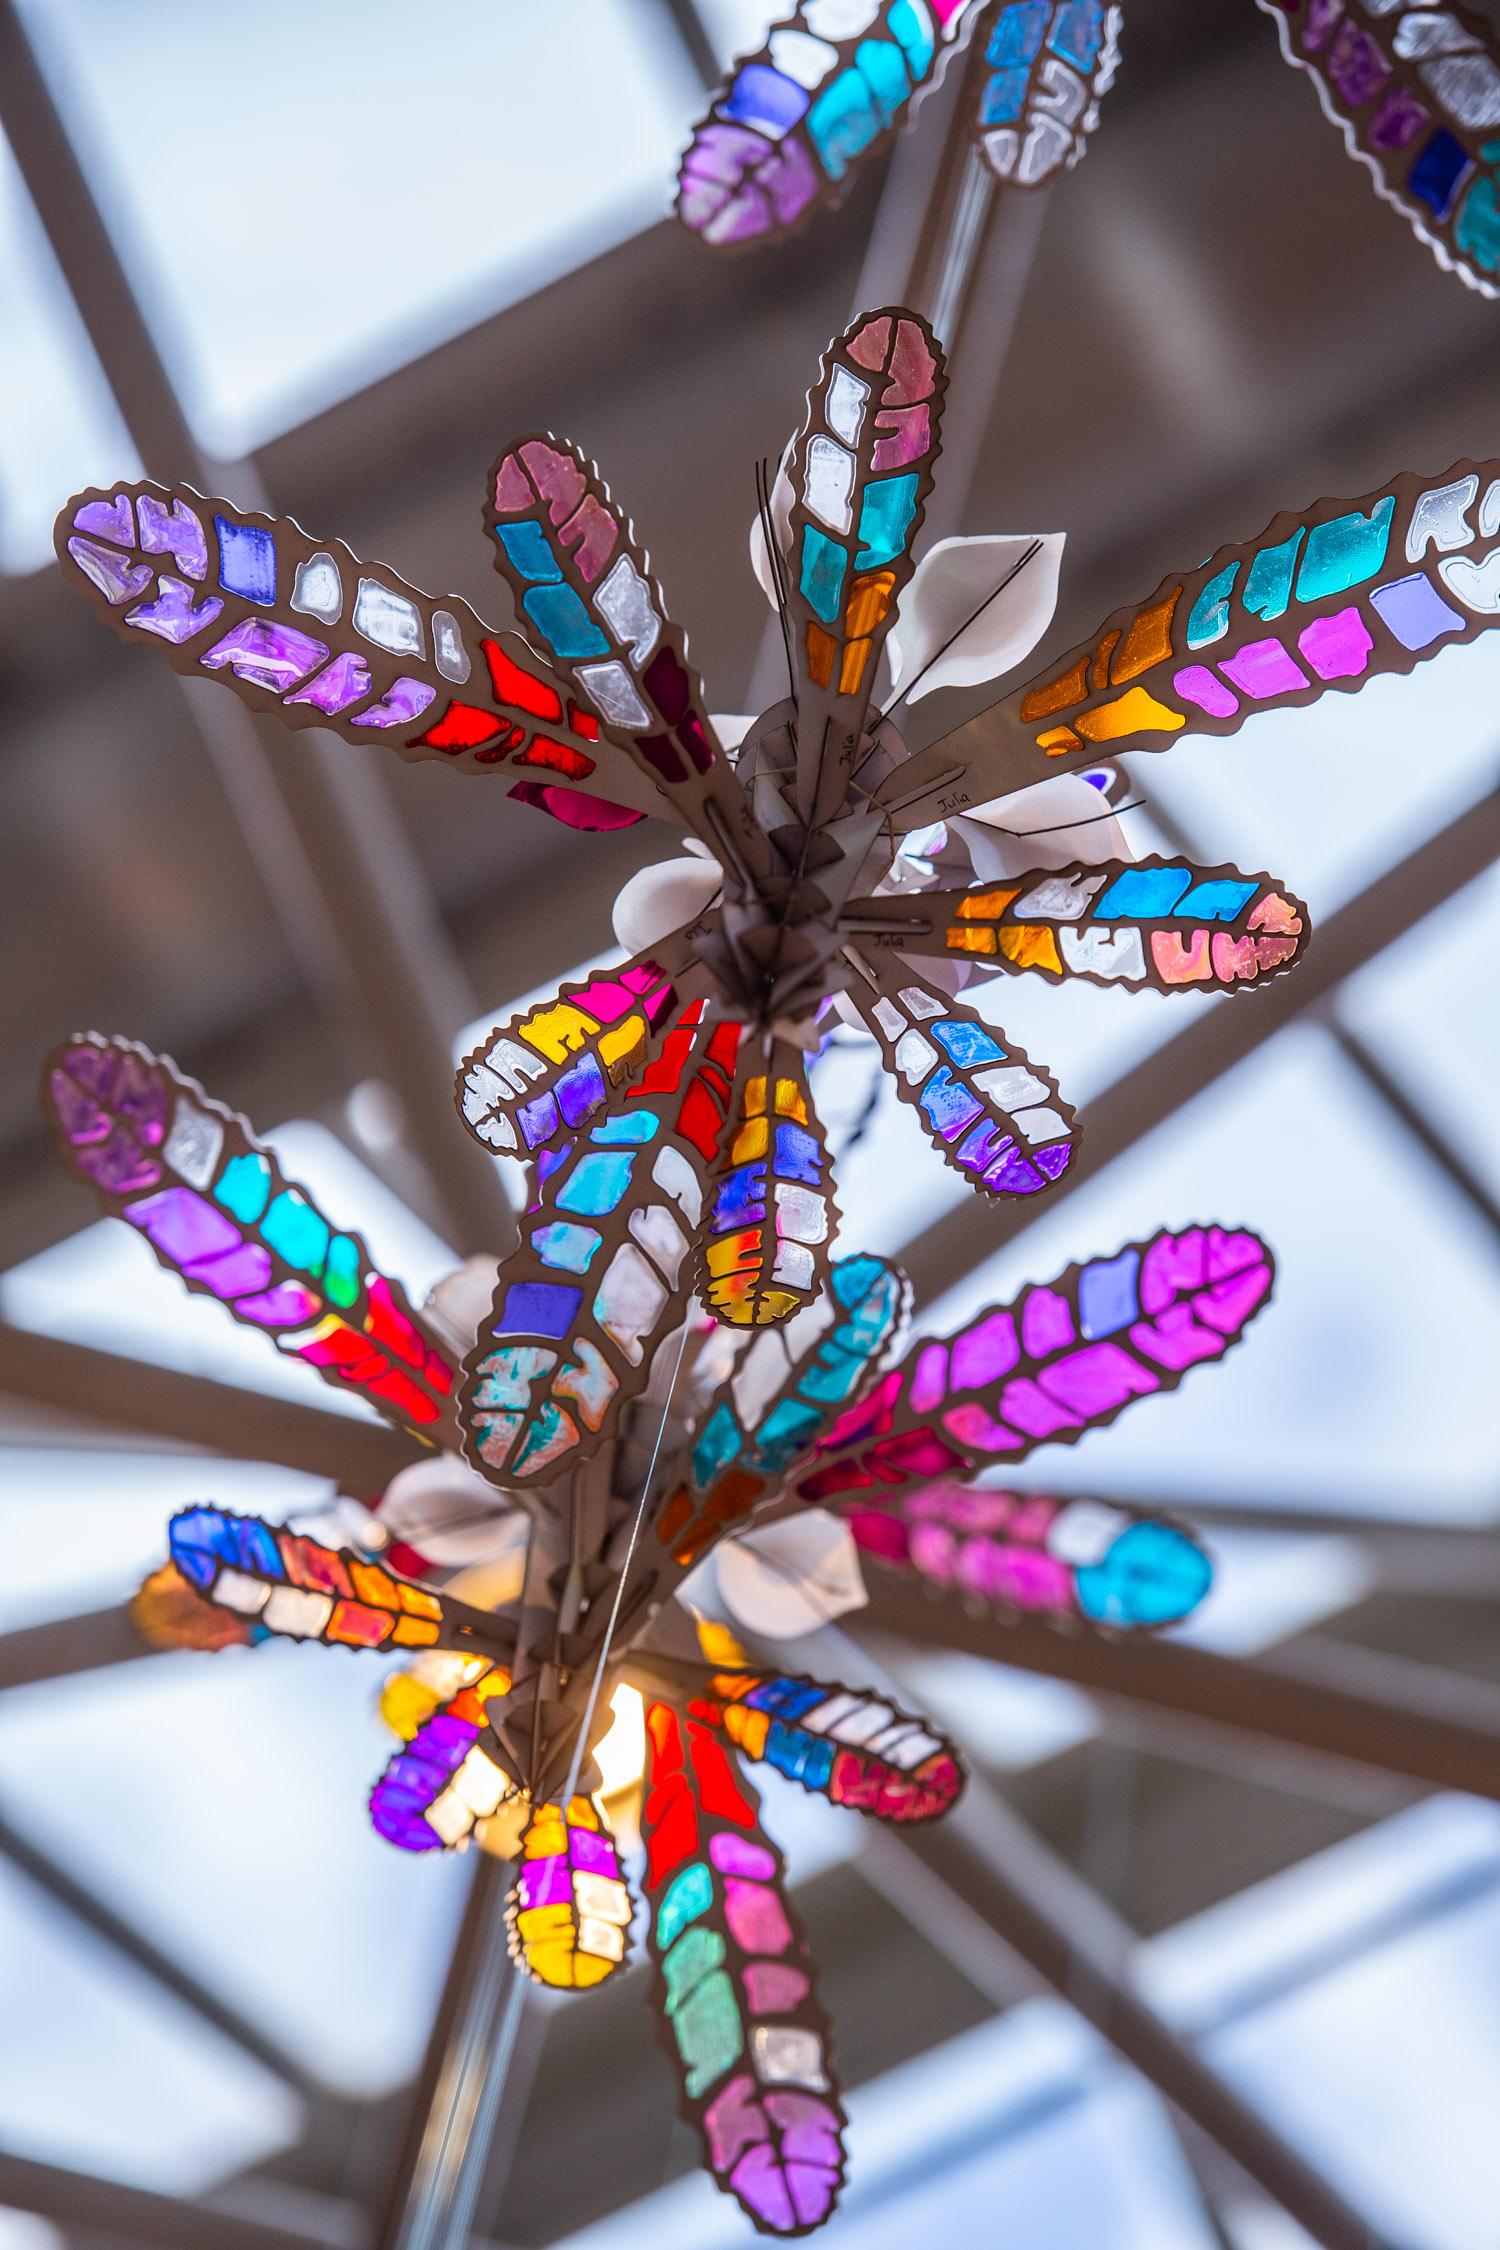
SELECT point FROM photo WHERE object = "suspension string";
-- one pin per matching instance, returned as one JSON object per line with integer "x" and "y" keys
{"x": 614, "y": 1612}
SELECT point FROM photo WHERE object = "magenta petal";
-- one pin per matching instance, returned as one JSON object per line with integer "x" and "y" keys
{"x": 346, "y": 680}
{"x": 264, "y": 654}
{"x": 94, "y": 1067}
{"x": 174, "y": 531}
{"x": 120, "y": 1167}
{"x": 287, "y": 1306}
{"x": 247, "y": 1266}
{"x": 184, "y": 1226}
{"x": 81, "y": 1119}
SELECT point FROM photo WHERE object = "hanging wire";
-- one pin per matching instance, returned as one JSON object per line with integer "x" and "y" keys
{"x": 1061, "y": 827}
{"x": 773, "y": 559}
{"x": 614, "y": 1612}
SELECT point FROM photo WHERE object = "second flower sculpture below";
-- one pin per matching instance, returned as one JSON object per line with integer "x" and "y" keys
{"x": 665, "y": 1104}
{"x": 831, "y": 1416}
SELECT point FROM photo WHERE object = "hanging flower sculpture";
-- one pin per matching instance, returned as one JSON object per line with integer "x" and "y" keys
{"x": 665, "y": 1105}
{"x": 837, "y": 80}
{"x": 1415, "y": 90}
{"x": 503, "y": 1709}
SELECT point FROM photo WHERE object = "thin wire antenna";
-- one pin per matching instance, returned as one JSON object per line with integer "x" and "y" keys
{"x": 774, "y": 555}
{"x": 781, "y": 575}
{"x": 1014, "y": 571}
{"x": 773, "y": 560}
{"x": 1061, "y": 827}
{"x": 413, "y": 1535}
{"x": 614, "y": 1610}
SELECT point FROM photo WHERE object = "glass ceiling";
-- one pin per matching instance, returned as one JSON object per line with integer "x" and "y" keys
{"x": 218, "y": 1804}
{"x": 1031, "y": 2116}
{"x": 391, "y": 190}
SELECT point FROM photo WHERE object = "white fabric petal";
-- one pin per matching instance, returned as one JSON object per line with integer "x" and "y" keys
{"x": 791, "y": 1577}
{"x": 458, "y": 1303}
{"x": 661, "y": 898}
{"x": 781, "y": 515}
{"x": 949, "y": 584}
{"x": 1055, "y": 823}
{"x": 450, "y": 1514}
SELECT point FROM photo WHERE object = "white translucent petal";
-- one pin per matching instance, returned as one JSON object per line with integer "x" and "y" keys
{"x": 793, "y": 1576}
{"x": 611, "y": 690}
{"x": 781, "y": 516}
{"x": 388, "y": 619}
{"x": 662, "y": 898}
{"x": 294, "y": 1611}
{"x": 235, "y": 1591}
{"x": 602, "y": 1898}
{"x": 456, "y": 1306}
{"x": 1013, "y": 590}
{"x": 847, "y": 399}
{"x": 785, "y": 2054}
{"x": 452, "y": 1516}
{"x": 658, "y": 1233}
{"x": 798, "y": 56}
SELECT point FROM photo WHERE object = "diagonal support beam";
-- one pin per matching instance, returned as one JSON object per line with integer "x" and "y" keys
{"x": 1163, "y": 1084}
{"x": 1322, "y": 1695}
{"x": 65, "y": 1646}
{"x": 1069, "y": 1936}
{"x": 97, "y": 1916}
{"x": 95, "y": 2211}
{"x": 1444, "y": 1559}
{"x": 359, "y": 1456}
{"x": 461, "y": 2086}
{"x": 1065, "y": 1932}
{"x": 689, "y": 30}
{"x": 1386, "y": 1088}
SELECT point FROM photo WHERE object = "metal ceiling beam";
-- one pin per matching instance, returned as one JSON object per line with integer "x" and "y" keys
{"x": 687, "y": 24}
{"x": 1161, "y": 1086}
{"x": 1064, "y": 1931}
{"x": 99, "y": 2214}
{"x": 1449, "y": 1160}
{"x": 359, "y": 1456}
{"x": 1322, "y": 1695}
{"x": 122, "y": 1937}
{"x": 1345, "y": 1516}
{"x": 1358, "y": 1054}
{"x": 461, "y": 2085}
{"x": 340, "y": 872}
{"x": 90, "y": 2210}
{"x": 1444, "y": 1559}
{"x": 69, "y": 1645}
{"x": 1073, "y": 1939}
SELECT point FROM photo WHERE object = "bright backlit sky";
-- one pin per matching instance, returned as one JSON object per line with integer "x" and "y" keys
{"x": 427, "y": 189}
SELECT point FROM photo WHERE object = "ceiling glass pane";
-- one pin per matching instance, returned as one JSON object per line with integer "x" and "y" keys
{"x": 384, "y": 178}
